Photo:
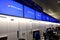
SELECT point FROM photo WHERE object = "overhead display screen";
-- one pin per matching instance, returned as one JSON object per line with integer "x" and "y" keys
{"x": 29, "y": 13}
{"x": 11, "y": 8}
{"x": 43, "y": 17}
{"x": 51, "y": 19}
{"x": 48, "y": 19}
{"x": 38, "y": 15}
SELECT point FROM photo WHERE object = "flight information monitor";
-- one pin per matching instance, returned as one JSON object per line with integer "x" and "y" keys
{"x": 38, "y": 15}
{"x": 29, "y": 13}
{"x": 43, "y": 17}
{"x": 11, "y": 8}
{"x": 48, "y": 19}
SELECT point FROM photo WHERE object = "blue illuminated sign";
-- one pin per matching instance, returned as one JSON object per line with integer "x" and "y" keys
{"x": 29, "y": 13}
{"x": 51, "y": 19}
{"x": 11, "y": 8}
{"x": 43, "y": 17}
{"x": 38, "y": 15}
{"x": 48, "y": 19}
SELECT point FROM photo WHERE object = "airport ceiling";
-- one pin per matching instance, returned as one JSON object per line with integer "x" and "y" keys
{"x": 51, "y": 7}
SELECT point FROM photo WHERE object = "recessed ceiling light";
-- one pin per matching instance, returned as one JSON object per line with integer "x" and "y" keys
{"x": 58, "y": 1}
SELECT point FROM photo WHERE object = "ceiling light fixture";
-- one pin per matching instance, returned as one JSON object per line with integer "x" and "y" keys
{"x": 58, "y": 1}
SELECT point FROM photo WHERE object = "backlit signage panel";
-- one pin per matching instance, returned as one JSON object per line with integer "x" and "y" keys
{"x": 38, "y": 15}
{"x": 29, "y": 13}
{"x": 11, "y": 8}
